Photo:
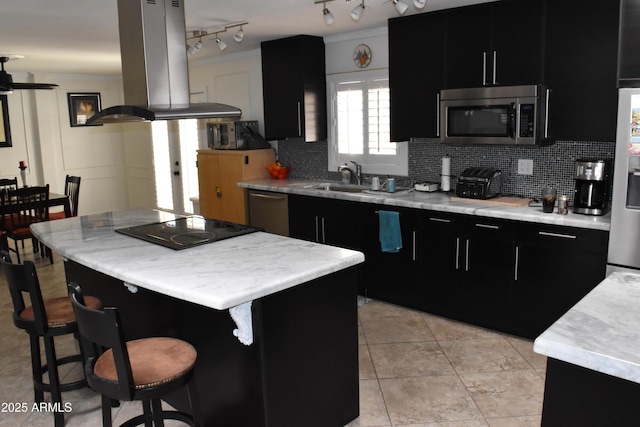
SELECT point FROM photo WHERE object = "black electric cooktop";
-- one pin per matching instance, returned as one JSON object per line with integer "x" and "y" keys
{"x": 183, "y": 233}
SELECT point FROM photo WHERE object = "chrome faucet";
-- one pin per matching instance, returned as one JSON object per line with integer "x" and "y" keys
{"x": 357, "y": 174}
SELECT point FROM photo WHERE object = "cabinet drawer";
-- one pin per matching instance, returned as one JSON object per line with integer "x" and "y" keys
{"x": 581, "y": 239}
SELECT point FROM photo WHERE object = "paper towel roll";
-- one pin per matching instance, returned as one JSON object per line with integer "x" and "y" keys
{"x": 445, "y": 184}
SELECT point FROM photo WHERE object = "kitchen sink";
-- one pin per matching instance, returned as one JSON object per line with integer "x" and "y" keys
{"x": 344, "y": 188}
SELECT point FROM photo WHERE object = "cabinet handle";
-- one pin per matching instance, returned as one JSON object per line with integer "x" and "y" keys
{"x": 546, "y": 113}
{"x": 484, "y": 68}
{"x": 413, "y": 246}
{"x": 493, "y": 227}
{"x": 495, "y": 66}
{"x": 457, "y": 253}
{"x": 299, "y": 119}
{"x": 317, "y": 230}
{"x": 324, "y": 240}
{"x": 440, "y": 220}
{"x": 466, "y": 255}
{"x": 564, "y": 236}
{"x": 515, "y": 276}
{"x": 438, "y": 114}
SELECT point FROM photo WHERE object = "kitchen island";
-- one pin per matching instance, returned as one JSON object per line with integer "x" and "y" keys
{"x": 287, "y": 357}
{"x": 593, "y": 368}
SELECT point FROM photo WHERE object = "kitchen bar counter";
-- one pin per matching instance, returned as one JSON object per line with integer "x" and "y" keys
{"x": 593, "y": 373}
{"x": 436, "y": 201}
{"x": 220, "y": 275}
{"x": 285, "y": 354}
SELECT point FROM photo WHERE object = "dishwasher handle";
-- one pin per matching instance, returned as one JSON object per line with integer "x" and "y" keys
{"x": 266, "y": 196}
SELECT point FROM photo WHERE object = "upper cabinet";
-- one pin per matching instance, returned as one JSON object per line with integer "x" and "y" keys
{"x": 416, "y": 75}
{"x": 580, "y": 70}
{"x": 628, "y": 58}
{"x": 496, "y": 43}
{"x": 571, "y": 50}
{"x": 294, "y": 88}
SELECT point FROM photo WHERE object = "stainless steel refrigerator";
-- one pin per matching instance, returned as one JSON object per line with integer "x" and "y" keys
{"x": 624, "y": 237}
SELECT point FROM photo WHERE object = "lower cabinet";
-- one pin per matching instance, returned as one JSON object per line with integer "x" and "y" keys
{"x": 556, "y": 267}
{"x": 510, "y": 276}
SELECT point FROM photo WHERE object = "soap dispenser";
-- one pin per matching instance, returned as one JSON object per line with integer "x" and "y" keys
{"x": 346, "y": 174}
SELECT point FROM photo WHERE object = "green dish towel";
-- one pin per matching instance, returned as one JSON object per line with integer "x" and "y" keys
{"x": 390, "y": 236}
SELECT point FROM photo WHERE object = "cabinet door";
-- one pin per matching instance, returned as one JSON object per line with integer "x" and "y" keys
{"x": 209, "y": 186}
{"x": 489, "y": 265}
{"x": 294, "y": 88}
{"x": 231, "y": 197}
{"x": 304, "y": 218}
{"x": 416, "y": 74}
{"x": 556, "y": 267}
{"x": 629, "y": 60}
{"x": 516, "y": 42}
{"x": 580, "y": 70}
{"x": 387, "y": 276}
{"x": 468, "y": 46}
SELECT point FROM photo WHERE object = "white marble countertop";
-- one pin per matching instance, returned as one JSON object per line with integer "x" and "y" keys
{"x": 436, "y": 201}
{"x": 602, "y": 331}
{"x": 218, "y": 275}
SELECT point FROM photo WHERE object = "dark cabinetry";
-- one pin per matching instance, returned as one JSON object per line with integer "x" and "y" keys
{"x": 556, "y": 267}
{"x": 580, "y": 70}
{"x": 294, "y": 88}
{"x": 494, "y": 44}
{"x": 628, "y": 58}
{"x": 515, "y": 277}
{"x": 416, "y": 74}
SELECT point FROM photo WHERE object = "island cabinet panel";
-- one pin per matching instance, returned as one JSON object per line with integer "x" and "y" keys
{"x": 556, "y": 267}
{"x": 628, "y": 58}
{"x": 301, "y": 369}
{"x": 581, "y": 46}
{"x": 416, "y": 74}
{"x": 218, "y": 173}
{"x": 294, "y": 88}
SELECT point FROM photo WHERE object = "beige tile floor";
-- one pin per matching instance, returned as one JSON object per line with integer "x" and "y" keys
{"x": 416, "y": 370}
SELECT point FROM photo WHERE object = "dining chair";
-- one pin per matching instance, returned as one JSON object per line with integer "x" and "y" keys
{"x": 72, "y": 190}
{"x": 8, "y": 184}
{"x": 144, "y": 369}
{"x": 21, "y": 208}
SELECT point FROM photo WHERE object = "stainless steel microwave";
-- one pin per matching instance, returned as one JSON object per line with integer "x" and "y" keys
{"x": 501, "y": 115}
{"x": 231, "y": 135}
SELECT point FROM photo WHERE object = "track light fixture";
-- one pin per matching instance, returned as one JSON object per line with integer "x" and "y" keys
{"x": 356, "y": 12}
{"x": 195, "y": 48}
{"x": 400, "y": 6}
{"x": 419, "y": 4}
{"x": 221, "y": 44}
{"x": 328, "y": 17}
{"x": 239, "y": 35}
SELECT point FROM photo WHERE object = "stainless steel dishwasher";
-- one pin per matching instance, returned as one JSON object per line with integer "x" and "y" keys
{"x": 269, "y": 211}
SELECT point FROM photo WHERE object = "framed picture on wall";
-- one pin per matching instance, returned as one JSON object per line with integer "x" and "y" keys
{"x": 5, "y": 130}
{"x": 82, "y": 106}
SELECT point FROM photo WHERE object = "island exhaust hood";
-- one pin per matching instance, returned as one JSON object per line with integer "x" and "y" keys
{"x": 154, "y": 67}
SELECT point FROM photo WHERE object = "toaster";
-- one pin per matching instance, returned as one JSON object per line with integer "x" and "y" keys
{"x": 479, "y": 183}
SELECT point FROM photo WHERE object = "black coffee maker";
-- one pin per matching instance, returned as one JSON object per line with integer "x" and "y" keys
{"x": 593, "y": 179}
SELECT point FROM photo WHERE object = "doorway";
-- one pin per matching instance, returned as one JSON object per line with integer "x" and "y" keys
{"x": 175, "y": 145}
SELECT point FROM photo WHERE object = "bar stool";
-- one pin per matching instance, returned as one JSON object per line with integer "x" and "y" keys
{"x": 46, "y": 318}
{"x": 145, "y": 369}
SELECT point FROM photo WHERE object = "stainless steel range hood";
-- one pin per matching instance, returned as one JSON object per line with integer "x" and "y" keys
{"x": 154, "y": 66}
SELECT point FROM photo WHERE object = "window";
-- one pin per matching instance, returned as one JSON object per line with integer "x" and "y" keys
{"x": 360, "y": 124}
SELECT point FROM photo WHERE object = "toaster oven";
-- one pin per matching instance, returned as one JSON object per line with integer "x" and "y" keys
{"x": 479, "y": 183}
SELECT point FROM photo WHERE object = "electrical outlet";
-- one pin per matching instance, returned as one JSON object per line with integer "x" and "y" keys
{"x": 525, "y": 167}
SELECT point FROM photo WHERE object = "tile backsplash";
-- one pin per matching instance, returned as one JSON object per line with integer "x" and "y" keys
{"x": 552, "y": 165}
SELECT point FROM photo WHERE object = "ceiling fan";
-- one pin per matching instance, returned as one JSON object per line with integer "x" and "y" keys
{"x": 7, "y": 85}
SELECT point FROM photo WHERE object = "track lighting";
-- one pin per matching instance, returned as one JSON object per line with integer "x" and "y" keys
{"x": 419, "y": 4}
{"x": 192, "y": 50}
{"x": 328, "y": 17}
{"x": 221, "y": 44}
{"x": 400, "y": 6}
{"x": 356, "y": 12}
{"x": 239, "y": 35}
